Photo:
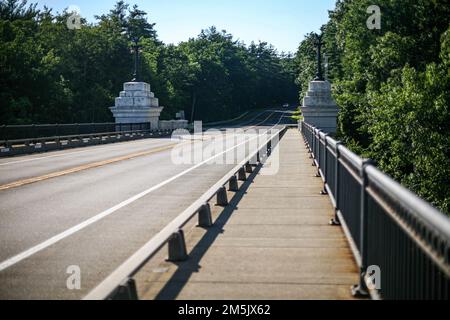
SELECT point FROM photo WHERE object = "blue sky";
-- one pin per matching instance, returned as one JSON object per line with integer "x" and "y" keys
{"x": 282, "y": 23}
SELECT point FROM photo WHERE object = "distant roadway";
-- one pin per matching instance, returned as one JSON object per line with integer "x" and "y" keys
{"x": 92, "y": 207}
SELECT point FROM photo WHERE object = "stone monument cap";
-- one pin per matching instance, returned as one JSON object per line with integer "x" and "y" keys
{"x": 320, "y": 86}
{"x": 136, "y": 86}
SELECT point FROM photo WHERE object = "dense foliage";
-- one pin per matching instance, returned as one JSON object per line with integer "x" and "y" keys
{"x": 393, "y": 88}
{"x": 51, "y": 74}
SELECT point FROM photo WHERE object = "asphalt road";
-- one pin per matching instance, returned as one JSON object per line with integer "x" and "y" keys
{"x": 93, "y": 208}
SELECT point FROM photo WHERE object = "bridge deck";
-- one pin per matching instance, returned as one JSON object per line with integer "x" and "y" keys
{"x": 272, "y": 243}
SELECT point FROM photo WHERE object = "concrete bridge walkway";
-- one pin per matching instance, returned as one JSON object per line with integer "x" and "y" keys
{"x": 272, "y": 242}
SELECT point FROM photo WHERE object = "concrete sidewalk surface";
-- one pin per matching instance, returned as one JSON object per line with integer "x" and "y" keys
{"x": 273, "y": 242}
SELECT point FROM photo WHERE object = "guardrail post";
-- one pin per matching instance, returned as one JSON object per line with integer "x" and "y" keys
{"x": 248, "y": 168}
{"x": 234, "y": 186}
{"x": 361, "y": 290}
{"x": 177, "y": 247}
{"x": 126, "y": 291}
{"x": 242, "y": 176}
{"x": 222, "y": 197}
{"x": 4, "y": 135}
{"x": 204, "y": 216}
{"x": 335, "y": 221}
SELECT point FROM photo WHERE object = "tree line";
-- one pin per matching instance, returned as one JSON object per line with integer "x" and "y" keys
{"x": 50, "y": 73}
{"x": 392, "y": 86}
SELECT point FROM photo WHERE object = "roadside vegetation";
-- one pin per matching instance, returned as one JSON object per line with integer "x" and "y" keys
{"x": 297, "y": 115}
{"x": 51, "y": 74}
{"x": 393, "y": 88}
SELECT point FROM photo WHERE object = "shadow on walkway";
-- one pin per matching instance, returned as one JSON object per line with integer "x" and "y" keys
{"x": 186, "y": 268}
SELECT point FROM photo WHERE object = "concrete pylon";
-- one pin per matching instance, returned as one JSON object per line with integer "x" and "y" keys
{"x": 137, "y": 104}
{"x": 319, "y": 108}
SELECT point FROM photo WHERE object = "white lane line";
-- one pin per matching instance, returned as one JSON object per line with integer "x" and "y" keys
{"x": 25, "y": 254}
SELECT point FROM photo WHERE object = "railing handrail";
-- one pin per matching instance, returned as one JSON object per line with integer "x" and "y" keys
{"x": 130, "y": 267}
{"x": 353, "y": 158}
{"x": 415, "y": 205}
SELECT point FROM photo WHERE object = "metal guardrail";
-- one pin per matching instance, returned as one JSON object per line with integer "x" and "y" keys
{"x": 24, "y": 132}
{"x": 120, "y": 285}
{"x": 388, "y": 227}
{"x": 27, "y": 139}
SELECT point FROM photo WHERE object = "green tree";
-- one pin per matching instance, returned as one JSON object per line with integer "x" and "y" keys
{"x": 392, "y": 88}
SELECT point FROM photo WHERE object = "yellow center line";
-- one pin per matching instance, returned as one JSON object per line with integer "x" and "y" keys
{"x": 84, "y": 167}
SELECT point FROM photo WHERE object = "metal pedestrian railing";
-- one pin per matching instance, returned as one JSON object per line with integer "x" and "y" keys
{"x": 399, "y": 241}
{"x": 120, "y": 285}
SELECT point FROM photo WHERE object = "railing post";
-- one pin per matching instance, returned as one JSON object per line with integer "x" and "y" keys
{"x": 204, "y": 216}
{"x": 361, "y": 290}
{"x": 337, "y": 177}
{"x": 5, "y": 136}
{"x": 177, "y": 247}
{"x": 33, "y": 130}
{"x": 314, "y": 156}
{"x": 309, "y": 141}
{"x": 317, "y": 153}
{"x": 58, "y": 143}
{"x": 248, "y": 167}
{"x": 324, "y": 169}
